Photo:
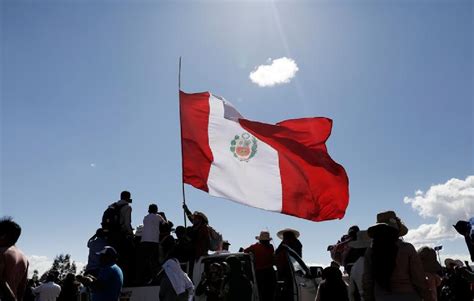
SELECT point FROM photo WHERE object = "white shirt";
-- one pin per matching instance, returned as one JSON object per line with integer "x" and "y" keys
{"x": 48, "y": 291}
{"x": 179, "y": 279}
{"x": 151, "y": 227}
{"x": 357, "y": 272}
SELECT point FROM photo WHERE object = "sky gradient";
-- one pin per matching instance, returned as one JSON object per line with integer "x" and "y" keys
{"x": 89, "y": 107}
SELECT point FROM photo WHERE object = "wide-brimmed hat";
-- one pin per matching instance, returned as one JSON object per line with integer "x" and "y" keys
{"x": 280, "y": 233}
{"x": 452, "y": 262}
{"x": 388, "y": 219}
{"x": 363, "y": 240}
{"x": 108, "y": 250}
{"x": 202, "y": 215}
{"x": 264, "y": 235}
{"x": 428, "y": 259}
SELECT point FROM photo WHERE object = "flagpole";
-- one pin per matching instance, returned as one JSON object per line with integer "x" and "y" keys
{"x": 181, "y": 130}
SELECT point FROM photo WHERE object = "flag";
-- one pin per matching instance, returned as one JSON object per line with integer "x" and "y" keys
{"x": 282, "y": 168}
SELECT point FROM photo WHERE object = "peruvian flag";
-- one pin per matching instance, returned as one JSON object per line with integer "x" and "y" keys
{"x": 283, "y": 167}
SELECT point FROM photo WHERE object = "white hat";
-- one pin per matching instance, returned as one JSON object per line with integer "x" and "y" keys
{"x": 264, "y": 235}
{"x": 280, "y": 233}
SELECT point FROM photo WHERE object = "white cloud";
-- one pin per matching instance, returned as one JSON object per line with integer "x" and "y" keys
{"x": 43, "y": 263}
{"x": 40, "y": 263}
{"x": 279, "y": 71}
{"x": 447, "y": 203}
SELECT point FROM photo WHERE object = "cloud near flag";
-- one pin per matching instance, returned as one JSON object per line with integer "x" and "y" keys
{"x": 280, "y": 71}
{"x": 282, "y": 168}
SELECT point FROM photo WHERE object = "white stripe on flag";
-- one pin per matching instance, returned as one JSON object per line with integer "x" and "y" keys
{"x": 255, "y": 182}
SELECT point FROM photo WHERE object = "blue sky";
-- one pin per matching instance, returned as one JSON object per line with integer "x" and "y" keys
{"x": 89, "y": 107}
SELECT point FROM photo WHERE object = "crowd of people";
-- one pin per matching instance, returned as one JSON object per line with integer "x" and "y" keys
{"x": 371, "y": 264}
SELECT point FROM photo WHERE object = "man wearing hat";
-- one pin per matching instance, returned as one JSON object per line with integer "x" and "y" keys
{"x": 109, "y": 281}
{"x": 199, "y": 232}
{"x": 263, "y": 255}
{"x": 289, "y": 237}
{"x": 392, "y": 269}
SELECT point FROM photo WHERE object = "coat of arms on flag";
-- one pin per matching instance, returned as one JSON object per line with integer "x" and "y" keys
{"x": 244, "y": 147}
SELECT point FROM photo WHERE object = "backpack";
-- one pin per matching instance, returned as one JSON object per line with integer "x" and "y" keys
{"x": 215, "y": 239}
{"x": 111, "y": 217}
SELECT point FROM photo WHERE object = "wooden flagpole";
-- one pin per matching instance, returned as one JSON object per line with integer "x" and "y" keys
{"x": 181, "y": 131}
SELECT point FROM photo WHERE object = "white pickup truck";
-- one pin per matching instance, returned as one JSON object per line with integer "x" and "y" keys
{"x": 305, "y": 280}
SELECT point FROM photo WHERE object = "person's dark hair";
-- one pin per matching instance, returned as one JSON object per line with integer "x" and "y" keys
{"x": 153, "y": 208}
{"x": 180, "y": 231}
{"x": 125, "y": 195}
{"x": 10, "y": 229}
{"x": 333, "y": 287}
{"x": 384, "y": 255}
{"x": 51, "y": 276}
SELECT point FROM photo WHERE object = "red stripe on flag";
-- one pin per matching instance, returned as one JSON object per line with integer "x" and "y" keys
{"x": 314, "y": 187}
{"x": 197, "y": 155}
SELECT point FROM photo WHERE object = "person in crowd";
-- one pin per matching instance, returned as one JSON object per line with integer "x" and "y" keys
{"x": 183, "y": 247}
{"x": 455, "y": 285}
{"x": 29, "y": 295}
{"x": 225, "y": 246}
{"x": 84, "y": 290}
{"x": 237, "y": 286}
{"x": 392, "y": 267}
{"x": 332, "y": 287}
{"x": 14, "y": 265}
{"x": 49, "y": 290}
{"x": 69, "y": 288}
{"x": 109, "y": 281}
{"x": 341, "y": 252}
{"x": 95, "y": 244}
{"x": 358, "y": 246}
{"x": 432, "y": 269}
{"x": 212, "y": 283}
{"x": 466, "y": 229}
{"x": 175, "y": 284}
{"x": 167, "y": 242}
{"x": 290, "y": 237}
{"x": 199, "y": 232}
{"x": 263, "y": 254}
{"x": 148, "y": 251}
{"x": 121, "y": 237}
{"x": 125, "y": 213}
{"x": 283, "y": 266}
